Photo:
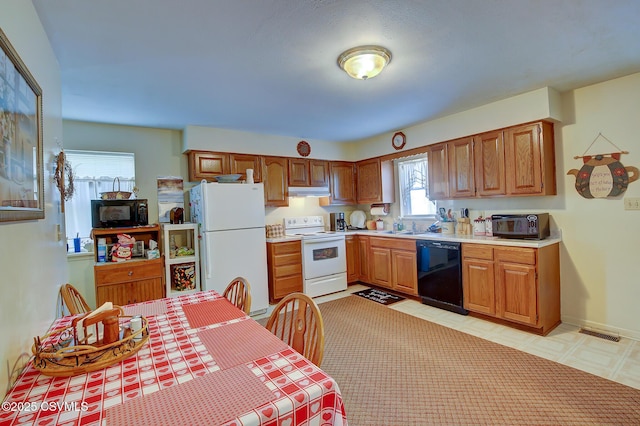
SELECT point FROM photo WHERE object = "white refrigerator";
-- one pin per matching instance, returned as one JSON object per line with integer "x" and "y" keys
{"x": 232, "y": 237}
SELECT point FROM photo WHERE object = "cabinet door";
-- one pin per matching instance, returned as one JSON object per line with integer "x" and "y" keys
{"x": 149, "y": 289}
{"x": 460, "y": 158}
{"x": 118, "y": 294}
{"x": 353, "y": 259}
{"x": 342, "y": 182}
{"x": 405, "y": 271}
{"x": 438, "y": 172}
{"x": 478, "y": 286}
{"x": 369, "y": 183}
{"x": 363, "y": 254}
{"x": 488, "y": 152}
{"x": 207, "y": 165}
{"x": 241, "y": 162}
{"x": 522, "y": 160}
{"x": 380, "y": 267}
{"x": 298, "y": 172}
{"x": 318, "y": 173}
{"x": 285, "y": 286}
{"x": 517, "y": 293}
{"x": 275, "y": 181}
{"x": 284, "y": 263}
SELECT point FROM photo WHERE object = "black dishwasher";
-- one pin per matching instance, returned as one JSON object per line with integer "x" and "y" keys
{"x": 440, "y": 275}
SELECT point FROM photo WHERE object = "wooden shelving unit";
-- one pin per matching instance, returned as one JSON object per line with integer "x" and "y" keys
{"x": 130, "y": 281}
{"x": 182, "y": 272}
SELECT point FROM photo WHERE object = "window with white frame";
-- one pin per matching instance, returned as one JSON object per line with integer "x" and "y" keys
{"x": 94, "y": 172}
{"x": 413, "y": 184}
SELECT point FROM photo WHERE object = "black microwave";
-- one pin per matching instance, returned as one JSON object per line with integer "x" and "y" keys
{"x": 119, "y": 213}
{"x": 523, "y": 226}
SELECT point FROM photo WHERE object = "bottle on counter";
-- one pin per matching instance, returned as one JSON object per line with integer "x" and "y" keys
{"x": 102, "y": 249}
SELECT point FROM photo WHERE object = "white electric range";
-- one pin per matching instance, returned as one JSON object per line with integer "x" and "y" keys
{"x": 324, "y": 260}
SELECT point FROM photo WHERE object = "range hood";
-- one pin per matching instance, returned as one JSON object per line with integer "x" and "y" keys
{"x": 309, "y": 191}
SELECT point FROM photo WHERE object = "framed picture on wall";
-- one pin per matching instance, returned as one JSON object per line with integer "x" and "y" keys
{"x": 21, "y": 167}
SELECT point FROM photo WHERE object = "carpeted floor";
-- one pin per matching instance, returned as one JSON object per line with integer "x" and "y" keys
{"x": 395, "y": 369}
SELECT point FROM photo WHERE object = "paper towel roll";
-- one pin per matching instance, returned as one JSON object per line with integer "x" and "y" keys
{"x": 378, "y": 211}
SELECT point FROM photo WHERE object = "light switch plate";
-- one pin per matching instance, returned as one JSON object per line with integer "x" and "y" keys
{"x": 632, "y": 203}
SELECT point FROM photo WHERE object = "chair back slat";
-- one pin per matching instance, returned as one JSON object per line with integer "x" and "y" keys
{"x": 73, "y": 300}
{"x": 297, "y": 321}
{"x": 238, "y": 292}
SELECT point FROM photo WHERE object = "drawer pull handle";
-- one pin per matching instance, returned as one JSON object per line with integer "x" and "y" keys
{"x": 130, "y": 273}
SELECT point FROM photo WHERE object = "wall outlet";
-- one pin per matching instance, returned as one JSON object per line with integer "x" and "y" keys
{"x": 632, "y": 203}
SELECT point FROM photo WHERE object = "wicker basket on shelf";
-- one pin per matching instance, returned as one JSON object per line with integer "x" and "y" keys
{"x": 116, "y": 195}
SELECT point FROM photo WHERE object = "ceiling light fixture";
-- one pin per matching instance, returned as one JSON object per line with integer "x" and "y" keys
{"x": 364, "y": 62}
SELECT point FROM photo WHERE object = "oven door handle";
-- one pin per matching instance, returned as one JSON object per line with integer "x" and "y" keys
{"x": 323, "y": 240}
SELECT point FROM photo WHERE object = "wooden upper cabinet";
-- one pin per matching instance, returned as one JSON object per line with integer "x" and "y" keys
{"x": 318, "y": 173}
{"x": 207, "y": 165}
{"x": 374, "y": 181}
{"x": 304, "y": 172}
{"x": 460, "y": 159}
{"x": 274, "y": 173}
{"x": 342, "y": 182}
{"x": 530, "y": 159}
{"x": 241, "y": 162}
{"x": 488, "y": 151}
{"x": 298, "y": 172}
{"x": 438, "y": 172}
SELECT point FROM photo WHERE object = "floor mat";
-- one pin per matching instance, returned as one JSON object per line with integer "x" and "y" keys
{"x": 379, "y": 296}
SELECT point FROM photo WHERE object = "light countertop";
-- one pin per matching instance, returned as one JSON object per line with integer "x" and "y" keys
{"x": 554, "y": 239}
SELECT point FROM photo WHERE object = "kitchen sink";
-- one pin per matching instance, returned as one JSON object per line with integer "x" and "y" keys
{"x": 396, "y": 232}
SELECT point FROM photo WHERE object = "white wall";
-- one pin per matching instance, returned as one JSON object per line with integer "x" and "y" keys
{"x": 600, "y": 263}
{"x": 212, "y": 139}
{"x": 32, "y": 259}
{"x": 535, "y": 105}
{"x": 158, "y": 153}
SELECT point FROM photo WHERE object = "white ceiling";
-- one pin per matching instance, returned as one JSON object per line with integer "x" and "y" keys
{"x": 269, "y": 66}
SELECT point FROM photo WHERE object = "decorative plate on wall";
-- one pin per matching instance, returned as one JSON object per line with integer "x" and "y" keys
{"x": 398, "y": 140}
{"x": 304, "y": 148}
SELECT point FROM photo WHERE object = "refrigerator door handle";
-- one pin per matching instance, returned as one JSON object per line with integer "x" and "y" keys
{"x": 204, "y": 258}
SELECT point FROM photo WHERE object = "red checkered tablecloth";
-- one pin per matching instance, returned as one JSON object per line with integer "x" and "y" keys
{"x": 292, "y": 390}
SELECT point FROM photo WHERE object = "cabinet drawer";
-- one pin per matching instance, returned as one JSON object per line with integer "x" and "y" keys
{"x": 525, "y": 256}
{"x": 393, "y": 243}
{"x": 287, "y": 259}
{"x": 285, "y": 270}
{"x": 477, "y": 251}
{"x": 285, "y": 286}
{"x": 286, "y": 248}
{"x": 112, "y": 274}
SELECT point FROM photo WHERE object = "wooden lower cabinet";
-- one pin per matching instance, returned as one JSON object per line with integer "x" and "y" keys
{"x": 284, "y": 263}
{"x": 478, "y": 278}
{"x": 405, "y": 271}
{"x": 129, "y": 282}
{"x": 515, "y": 284}
{"x": 393, "y": 264}
{"x": 380, "y": 266}
{"x": 363, "y": 255}
{"x": 353, "y": 258}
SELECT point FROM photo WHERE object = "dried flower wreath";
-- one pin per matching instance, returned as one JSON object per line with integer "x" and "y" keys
{"x": 64, "y": 177}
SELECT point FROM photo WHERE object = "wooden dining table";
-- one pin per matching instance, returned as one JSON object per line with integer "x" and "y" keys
{"x": 206, "y": 362}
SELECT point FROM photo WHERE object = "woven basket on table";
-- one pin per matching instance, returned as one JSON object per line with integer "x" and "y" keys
{"x": 116, "y": 195}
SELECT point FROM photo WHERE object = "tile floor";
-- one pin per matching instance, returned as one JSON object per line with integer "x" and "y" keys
{"x": 617, "y": 361}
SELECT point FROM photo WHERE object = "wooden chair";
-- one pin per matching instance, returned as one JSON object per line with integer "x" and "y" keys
{"x": 239, "y": 293}
{"x": 74, "y": 301}
{"x": 298, "y": 322}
